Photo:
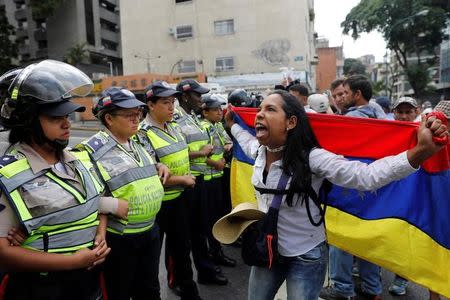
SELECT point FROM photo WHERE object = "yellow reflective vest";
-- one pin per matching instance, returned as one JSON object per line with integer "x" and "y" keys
{"x": 218, "y": 142}
{"x": 171, "y": 150}
{"x": 50, "y": 229}
{"x": 196, "y": 137}
{"x": 128, "y": 176}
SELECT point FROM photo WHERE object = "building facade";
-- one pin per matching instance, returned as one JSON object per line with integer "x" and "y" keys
{"x": 219, "y": 38}
{"x": 93, "y": 24}
{"x": 330, "y": 66}
{"x": 444, "y": 68}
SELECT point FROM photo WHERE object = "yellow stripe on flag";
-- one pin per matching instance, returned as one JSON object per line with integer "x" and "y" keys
{"x": 392, "y": 244}
{"x": 241, "y": 187}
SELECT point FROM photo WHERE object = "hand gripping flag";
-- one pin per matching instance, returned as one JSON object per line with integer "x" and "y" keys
{"x": 403, "y": 226}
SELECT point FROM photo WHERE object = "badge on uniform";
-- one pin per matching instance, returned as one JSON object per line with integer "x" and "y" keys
{"x": 6, "y": 160}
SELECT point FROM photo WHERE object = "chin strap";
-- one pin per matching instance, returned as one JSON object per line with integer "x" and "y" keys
{"x": 57, "y": 144}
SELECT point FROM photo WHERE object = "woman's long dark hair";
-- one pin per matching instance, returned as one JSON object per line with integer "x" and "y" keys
{"x": 299, "y": 143}
{"x": 25, "y": 127}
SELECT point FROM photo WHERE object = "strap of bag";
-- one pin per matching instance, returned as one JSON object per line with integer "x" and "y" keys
{"x": 276, "y": 201}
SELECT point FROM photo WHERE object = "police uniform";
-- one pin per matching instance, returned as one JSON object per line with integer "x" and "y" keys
{"x": 56, "y": 207}
{"x": 216, "y": 205}
{"x": 197, "y": 137}
{"x": 129, "y": 173}
{"x": 170, "y": 148}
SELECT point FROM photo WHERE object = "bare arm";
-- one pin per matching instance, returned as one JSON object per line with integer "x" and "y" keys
{"x": 21, "y": 259}
{"x": 216, "y": 164}
{"x": 204, "y": 152}
{"x": 184, "y": 180}
{"x": 362, "y": 176}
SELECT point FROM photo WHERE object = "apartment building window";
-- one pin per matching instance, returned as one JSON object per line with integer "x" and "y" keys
{"x": 186, "y": 66}
{"x": 22, "y": 24}
{"x": 109, "y": 45}
{"x": 89, "y": 19}
{"x": 41, "y": 24}
{"x": 224, "y": 64}
{"x": 108, "y": 6}
{"x": 224, "y": 27}
{"x": 183, "y": 32}
{"x": 42, "y": 44}
{"x": 105, "y": 24}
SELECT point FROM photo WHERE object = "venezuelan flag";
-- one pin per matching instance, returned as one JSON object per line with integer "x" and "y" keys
{"x": 404, "y": 226}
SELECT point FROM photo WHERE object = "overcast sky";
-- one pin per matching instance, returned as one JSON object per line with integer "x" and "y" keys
{"x": 329, "y": 16}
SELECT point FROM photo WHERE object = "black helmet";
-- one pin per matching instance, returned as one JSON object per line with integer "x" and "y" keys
{"x": 7, "y": 78}
{"x": 50, "y": 81}
{"x": 5, "y": 82}
{"x": 239, "y": 97}
{"x": 46, "y": 86}
{"x": 42, "y": 88}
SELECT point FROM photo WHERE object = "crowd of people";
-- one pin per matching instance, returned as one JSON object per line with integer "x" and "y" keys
{"x": 90, "y": 221}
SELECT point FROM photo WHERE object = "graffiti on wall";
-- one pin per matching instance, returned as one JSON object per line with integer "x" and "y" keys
{"x": 274, "y": 52}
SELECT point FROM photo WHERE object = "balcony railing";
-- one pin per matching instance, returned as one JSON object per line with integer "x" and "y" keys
{"x": 108, "y": 15}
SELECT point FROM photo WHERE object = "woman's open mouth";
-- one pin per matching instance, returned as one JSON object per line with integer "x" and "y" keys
{"x": 260, "y": 130}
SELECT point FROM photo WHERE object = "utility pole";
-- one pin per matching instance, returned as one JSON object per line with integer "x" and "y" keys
{"x": 147, "y": 58}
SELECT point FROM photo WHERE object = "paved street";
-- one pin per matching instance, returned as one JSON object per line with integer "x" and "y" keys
{"x": 238, "y": 276}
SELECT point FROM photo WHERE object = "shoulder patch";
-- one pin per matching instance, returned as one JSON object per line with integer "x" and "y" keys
{"x": 6, "y": 160}
{"x": 176, "y": 116}
{"x": 96, "y": 142}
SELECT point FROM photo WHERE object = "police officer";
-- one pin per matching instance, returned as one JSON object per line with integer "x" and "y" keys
{"x": 216, "y": 206}
{"x": 129, "y": 173}
{"x": 50, "y": 193}
{"x": 199, "y": 150}
{"x": 163, "y": 138}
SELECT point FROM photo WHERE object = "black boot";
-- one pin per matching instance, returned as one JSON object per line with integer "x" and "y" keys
{"x": 221, "y": 259}
{"x": 189, "y": 291}
{"x": 217, "y": 278}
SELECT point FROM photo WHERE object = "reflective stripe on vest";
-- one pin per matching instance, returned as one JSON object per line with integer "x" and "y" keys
{"x": 218, "y": 143}
{"x": 195, "y": 140}
{"x": 171, "y": 151}
{"x": 68, "y": 241}
{"x": 67, "y": 229}
{"x": 130, "y": 179}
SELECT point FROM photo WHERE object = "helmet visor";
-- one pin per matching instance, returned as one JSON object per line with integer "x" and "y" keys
{"x": 50, "y": 81}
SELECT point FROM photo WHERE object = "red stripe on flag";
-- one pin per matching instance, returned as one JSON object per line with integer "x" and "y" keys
{"x": 363, "y": 137}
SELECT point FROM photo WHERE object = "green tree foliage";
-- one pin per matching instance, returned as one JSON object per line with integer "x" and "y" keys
{"x": 76, "y": 54}
{"x": 410, "y": 28}
{"x": 354, "y": 66}
{"x": 8, "y": 49}
{"x": 41, "y": 9}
